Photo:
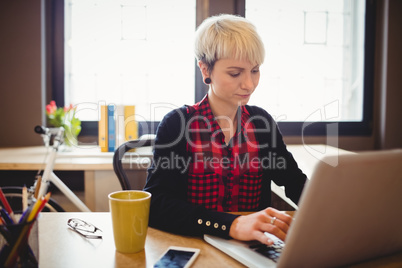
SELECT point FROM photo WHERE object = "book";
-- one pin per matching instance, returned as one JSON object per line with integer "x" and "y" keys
{"x": 120, "y": 127}
{"x": 131, "y": 126}
{"x": 111, "y": 128}
{"x": 103, "y": 128}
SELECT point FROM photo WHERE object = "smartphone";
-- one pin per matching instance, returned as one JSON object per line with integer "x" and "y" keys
{"x": 177, "y": 257}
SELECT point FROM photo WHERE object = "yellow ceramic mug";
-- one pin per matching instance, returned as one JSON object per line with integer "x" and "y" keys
{"x": 130, "y": 213}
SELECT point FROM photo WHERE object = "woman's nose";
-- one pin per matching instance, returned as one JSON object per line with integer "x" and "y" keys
{"x": 247, "y": 82}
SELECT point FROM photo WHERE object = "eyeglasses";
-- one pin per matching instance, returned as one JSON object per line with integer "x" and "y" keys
{"x": 85, "y": 229}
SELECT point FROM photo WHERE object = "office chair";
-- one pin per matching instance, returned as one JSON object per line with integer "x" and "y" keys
{"x": 119, "y": 154}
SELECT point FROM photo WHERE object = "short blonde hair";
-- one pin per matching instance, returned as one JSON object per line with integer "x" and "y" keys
{"x": 228, "y": 36}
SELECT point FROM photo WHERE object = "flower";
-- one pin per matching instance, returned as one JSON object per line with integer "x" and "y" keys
{"x": 64, "y": 117}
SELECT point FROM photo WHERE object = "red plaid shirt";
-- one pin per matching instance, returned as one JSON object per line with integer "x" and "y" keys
{"x": 222, "y": 177}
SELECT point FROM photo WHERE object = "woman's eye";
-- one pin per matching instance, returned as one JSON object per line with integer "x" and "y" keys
{"x": 255, "y": 71}
{"x": 235, "y": 75}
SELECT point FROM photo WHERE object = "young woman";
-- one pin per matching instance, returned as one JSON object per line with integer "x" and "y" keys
{"x": 220, "y": 155}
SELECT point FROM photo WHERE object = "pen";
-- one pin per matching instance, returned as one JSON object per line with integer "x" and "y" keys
{"x": 24, "y": 198}
{"x": 43, "y": 204}
{"x": 5, "y": 216}
{"x": 6, "y": 205}
{"x": 37, "y": 186}
{"x": 18, "y": 245}
{"x": 34, "y": 209}
{"x": 23, "y": 237}
{"x": 25, "y": 215}
{"x": 38, "y": 206}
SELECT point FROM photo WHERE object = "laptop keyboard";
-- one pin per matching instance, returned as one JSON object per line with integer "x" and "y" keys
{"x": 272, "y": 252}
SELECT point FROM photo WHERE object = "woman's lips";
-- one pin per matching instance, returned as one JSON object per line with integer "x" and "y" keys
{"x": 244, "y": 96}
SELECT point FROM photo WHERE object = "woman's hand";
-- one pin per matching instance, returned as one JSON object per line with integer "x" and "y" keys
{"x": 253, "y": 226}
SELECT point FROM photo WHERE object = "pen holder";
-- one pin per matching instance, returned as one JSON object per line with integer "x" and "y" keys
{"x": 19, "y": 245}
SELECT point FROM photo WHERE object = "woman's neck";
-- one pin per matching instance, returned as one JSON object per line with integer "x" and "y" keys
{"x": 225, "y": 115}
{"x": 221, "y": 109}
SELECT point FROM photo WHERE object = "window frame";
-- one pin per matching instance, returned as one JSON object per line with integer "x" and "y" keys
{"x": 296, "y": 128}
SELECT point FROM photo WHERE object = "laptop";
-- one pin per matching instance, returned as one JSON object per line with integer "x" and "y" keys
{"x": 347, "y": 213}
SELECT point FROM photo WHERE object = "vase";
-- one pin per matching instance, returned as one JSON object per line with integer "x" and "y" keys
{"x": 69, "y": 139}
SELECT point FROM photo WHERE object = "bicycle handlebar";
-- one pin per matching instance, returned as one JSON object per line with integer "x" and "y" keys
{"x": 40, "y": 130}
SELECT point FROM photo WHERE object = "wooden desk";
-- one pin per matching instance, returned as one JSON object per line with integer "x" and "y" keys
{"x": 61, "y": 247}
{"x": 100, "y": 179}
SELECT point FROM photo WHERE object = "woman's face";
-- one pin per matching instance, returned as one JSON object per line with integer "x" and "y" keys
{"x": 233, "y": 81}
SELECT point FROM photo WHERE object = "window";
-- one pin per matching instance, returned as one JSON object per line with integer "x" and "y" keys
{"x": 315, "y": 62}
{"x": 314, "y": 57}
{"x": 318, "y": 68}
{"x": 129, "y": 52}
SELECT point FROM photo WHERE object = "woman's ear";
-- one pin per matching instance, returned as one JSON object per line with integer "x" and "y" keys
{"x": 204, "y": 69}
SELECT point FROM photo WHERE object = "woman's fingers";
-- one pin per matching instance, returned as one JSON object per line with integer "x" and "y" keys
{"x": 279, "y": 215}
{"x": 263, "y": 239}
{"x": 275, "y": 230}
{"x": 277, "y": 223}
{"x": 283, "y": 225}
{"x": 253, "y": 226}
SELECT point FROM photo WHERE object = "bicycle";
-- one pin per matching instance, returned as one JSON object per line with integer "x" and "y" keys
{"x": 14, "y": 194}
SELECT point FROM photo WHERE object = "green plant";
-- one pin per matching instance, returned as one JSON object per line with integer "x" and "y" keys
{"x": 64, "y": 117}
